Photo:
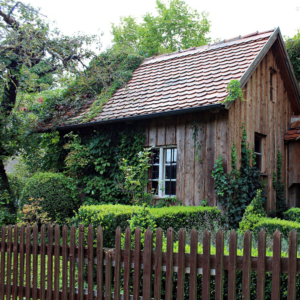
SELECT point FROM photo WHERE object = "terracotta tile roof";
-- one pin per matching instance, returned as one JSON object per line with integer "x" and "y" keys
{"x": 293, "y": 133}
{"x": 190, "y": 78}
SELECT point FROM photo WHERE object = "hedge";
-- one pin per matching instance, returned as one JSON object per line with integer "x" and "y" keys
{"x": 293, "y": 214}
{"x": 111, "y": 216}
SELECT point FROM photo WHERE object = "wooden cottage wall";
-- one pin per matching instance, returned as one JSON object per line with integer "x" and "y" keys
{"x": 194, "y": 181}
{"x": 260, "y": 114}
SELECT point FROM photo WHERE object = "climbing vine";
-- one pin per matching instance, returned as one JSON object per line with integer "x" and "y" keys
{"x": 234, "y": 91}
{"x": 197, "y": 145}
{"x": 237, "y": 189}
{"x": 279, "y": 188}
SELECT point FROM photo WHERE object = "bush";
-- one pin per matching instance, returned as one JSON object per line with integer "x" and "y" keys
{"x": 59, "y": 194}
{"x": 293, "y": 214}
{"x": 111, "y": 216}
{"x": 271, "y": 224}
{"x": 253, "y": 213}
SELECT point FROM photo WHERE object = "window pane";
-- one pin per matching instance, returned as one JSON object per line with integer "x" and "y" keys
{"x": 170, "y": 172}
{"x": 171, "y": 155}
{"x": 170, "y": 188}
{"x": 258, "y": 162}
{"x": 168, "y": 155}
{"x": 257, "y": 144}
{"x": 154, "y": 188}
{"x": 174, "y": 155}
{"x": 155, "y": 172}
{"x": 155, "y": 156}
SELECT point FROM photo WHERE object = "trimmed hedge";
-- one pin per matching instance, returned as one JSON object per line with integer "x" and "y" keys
{"x": 293, "y": 214}
{"x": 111, "y": 216}
{"x": 59, "y": 194}
{"x": 271, "y": 224}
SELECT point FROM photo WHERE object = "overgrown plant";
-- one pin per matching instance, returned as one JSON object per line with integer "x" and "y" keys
{"x": 236, "y": 189}
{"x": 281, "y": 206}
{"x": 234, "y": 91}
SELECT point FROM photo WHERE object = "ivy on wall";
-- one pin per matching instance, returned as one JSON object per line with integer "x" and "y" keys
{"x": 237, "y": 189}
{"x": 234, "y": 92}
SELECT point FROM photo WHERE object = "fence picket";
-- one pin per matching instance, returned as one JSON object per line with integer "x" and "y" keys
{"x": 90, "y": 263}
{"x": 108, "y": 258}
{"x": 3, "y": 260}
{"x": 169, "y": 264}
{"x": 137, "y": 264}
{"x": 158, "y": 264}
{"x": 117, "y": 264}
{"x": 34, "y": 262}
{"x": 247, "y": 265}
{"x": 232, "y": 265}
{"x": 99, "y": 263}
{"x": 72, "y": 264}
{"x": 80, "y": 262}
{"x": 147, "y": 261}
{"x": 28, "y": 262}
{"x": 193, "y": 264}
{"x": 276, "y": 265}
{"x": 8, "y": 262}
{"x": 57, "y": 262}
{"x": 65, "y": 262}
{"x": 219, "y": 265}
{"x": 50, "y": 262}
{"x": 261, "y": 265}
{"x": 206, "y": 266}
{"x": 127, "y": 263}
{"x": 22, "y": 251}
{"x": 292, "y": 265}
{"x": 43, "y": 263}
{"x": 15, "y": 266}
{"x": 181, "y": 265}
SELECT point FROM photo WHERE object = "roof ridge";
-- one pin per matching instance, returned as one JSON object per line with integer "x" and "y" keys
{"x": 209, "y": 45}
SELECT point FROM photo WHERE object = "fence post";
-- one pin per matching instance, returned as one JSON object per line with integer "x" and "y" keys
{"x": 57, "y": 262}
{"x": 99, "y": 263}
{"x": 276, "y": 265}
{"x": 90, "y": 263}
{"x": 43, "y": 263}
{"x": 181, "y": 265}
{"x": 50, "y": 262}
{"x": 247, "y": 265}
{"x": 169, "y": 264}
{"x": 21, "y": 276}
{"x": 206, "y": 266}
{"x": 193, "y": 264}
{"x": 35, "y": 261}
{"x": 219, "y": 265}
{"x": 292, "y": 265}
{"x": 108, "y": 275}
{"x": 137, "y": 264}
{"x": 2, "y": 272}
{"x": 28, "y": 262}
{"x": 80, "y": 262}
{"x": 65, "y": 262}
{"x": 147, "y": 262}
{"x": 232, "y": 265}
{"x": 261, "y": 265}
{"x": 127, "y": 262}
{"x": 158, "y": 264}
{"x": 72, "y": 263}
{"x": 15, "y": 267}
{"x": 117, "y": 264}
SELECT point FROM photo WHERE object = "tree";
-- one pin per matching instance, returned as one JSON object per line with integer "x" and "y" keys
{"x": 30, "y": 54}
{"x": 293, "y": 49}
{"x": 176, "y": 27}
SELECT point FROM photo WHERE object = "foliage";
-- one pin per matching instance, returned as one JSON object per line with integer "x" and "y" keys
{"x": 279, "y": 188}
{"x": 197, "y": 145}
{"x": 293, "y": 214}
{"x": 293, "y": 49}
{"x": 33, "y": 213}
{"x": 236, "y": 189}
{"x": 253, "y": 213}
{"x": 234, "y": 91}
{"x": 135, "y": 177}
{"x": 167, "y": 201}
{"x": 174, "y": 28}
{"x": 92, "y": 159}
{"x": 59, "y": 194}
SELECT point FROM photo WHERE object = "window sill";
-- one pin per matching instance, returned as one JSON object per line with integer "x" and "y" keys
{"x": 264, "y": 174}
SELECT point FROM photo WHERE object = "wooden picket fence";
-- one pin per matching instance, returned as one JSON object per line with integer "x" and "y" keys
{"x": 46, "y": 265}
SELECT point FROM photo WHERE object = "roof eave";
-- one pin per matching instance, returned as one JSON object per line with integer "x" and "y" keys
{"x": 138, "y": 117}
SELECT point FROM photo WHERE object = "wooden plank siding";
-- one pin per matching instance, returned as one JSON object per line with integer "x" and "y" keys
{"x": 218, "y": 130}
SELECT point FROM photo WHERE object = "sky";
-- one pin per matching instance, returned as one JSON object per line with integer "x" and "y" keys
{"x": 228, "y": 18}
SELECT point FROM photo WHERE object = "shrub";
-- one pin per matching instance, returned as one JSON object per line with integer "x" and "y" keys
{"x": 59, "y": 194}
{"x": 271, "y": 224}
{"x": 111, "y": 216}
{"x": 293, "y": 214}
{"x": 253, "y": 213}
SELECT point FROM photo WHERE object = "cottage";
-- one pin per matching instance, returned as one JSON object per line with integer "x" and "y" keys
{"x": 172, "y": 94}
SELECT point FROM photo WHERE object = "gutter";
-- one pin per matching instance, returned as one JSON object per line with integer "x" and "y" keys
{"x": 141, "y": 117}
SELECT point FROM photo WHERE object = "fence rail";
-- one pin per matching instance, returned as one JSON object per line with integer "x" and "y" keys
{"x": 55, "y": 264}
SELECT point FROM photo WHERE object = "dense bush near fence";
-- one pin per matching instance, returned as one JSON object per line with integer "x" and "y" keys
{"x": 293, "y": 214}
{"x": 59, "y": 194}
{"x": 111, "y": 216}
{"x": 271, "y": 224}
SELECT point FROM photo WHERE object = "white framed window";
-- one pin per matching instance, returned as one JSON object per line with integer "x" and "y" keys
{"x": 162, "y": 171}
